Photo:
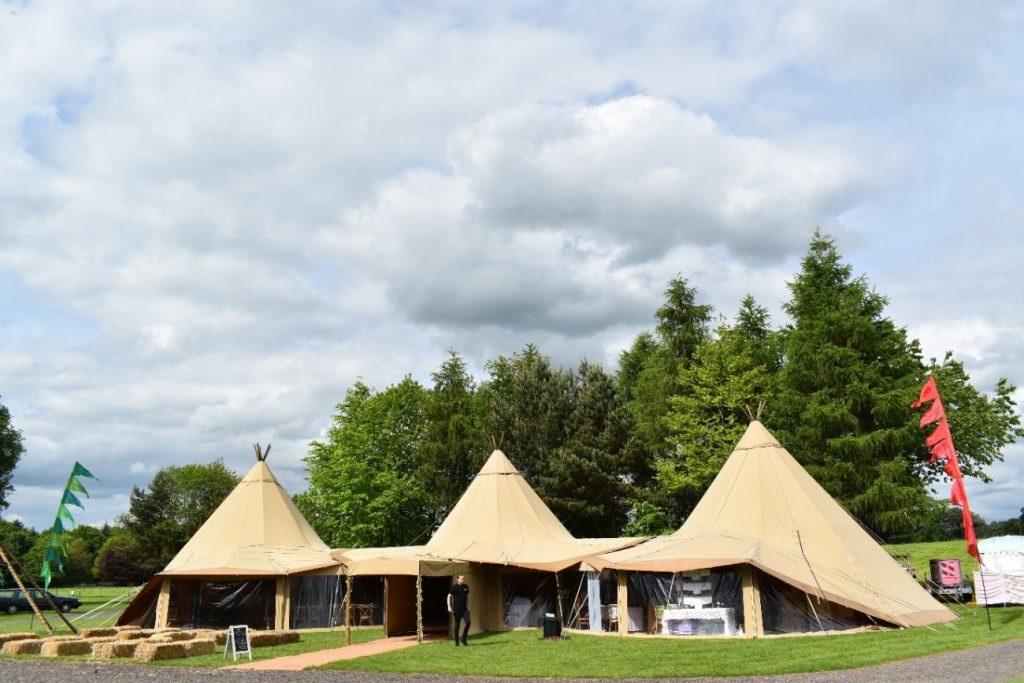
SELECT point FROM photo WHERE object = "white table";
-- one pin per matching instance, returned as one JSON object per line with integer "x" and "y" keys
{"x": 687, "y": 621}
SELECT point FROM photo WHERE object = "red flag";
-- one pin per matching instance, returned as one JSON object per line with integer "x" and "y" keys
{"x": 944, "y": 449}
{"x": 940, "y": 434}
{"x": 940, "y": 444}
{"x": 934, "y": 413}
{"x": 929, "y": 392}
{"x": 952, "y": 470}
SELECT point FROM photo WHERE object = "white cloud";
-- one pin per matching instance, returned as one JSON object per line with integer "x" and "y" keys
{"x": 213, "y": 220}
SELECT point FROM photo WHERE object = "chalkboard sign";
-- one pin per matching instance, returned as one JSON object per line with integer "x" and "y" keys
{"x": 238, "y": 641}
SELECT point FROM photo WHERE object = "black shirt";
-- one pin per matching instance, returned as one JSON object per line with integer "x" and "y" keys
{"x": 460, "y": 596}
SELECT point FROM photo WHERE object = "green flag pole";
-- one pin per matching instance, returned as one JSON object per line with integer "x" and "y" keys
{"x": 64, "y": 522}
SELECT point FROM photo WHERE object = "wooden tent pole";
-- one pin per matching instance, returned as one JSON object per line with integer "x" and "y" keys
{"x": 28, "y": 596}
{"x": 419, "y": 607}
{"x": 558, "y": 600}
{"x": 623, "y": 603}
{"x": 348, "y": 609}
{"x": 752, "y": 626}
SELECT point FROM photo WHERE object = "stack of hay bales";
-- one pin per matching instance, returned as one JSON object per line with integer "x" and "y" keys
{"x": 145, "y": 645}
{"x": 175, "y": 644}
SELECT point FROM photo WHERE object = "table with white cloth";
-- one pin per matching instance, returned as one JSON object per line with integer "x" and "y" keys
{"x": 680, "y": 621}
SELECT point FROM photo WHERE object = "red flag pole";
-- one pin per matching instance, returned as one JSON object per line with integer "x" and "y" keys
{"x": 940, "y": 445}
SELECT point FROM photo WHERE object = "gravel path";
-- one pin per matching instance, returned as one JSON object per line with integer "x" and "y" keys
{"x": 989, "y": 664}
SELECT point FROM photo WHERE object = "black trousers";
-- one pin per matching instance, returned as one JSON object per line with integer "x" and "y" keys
{"x": 461, "y": 615}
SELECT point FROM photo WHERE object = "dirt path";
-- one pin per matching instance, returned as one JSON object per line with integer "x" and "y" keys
{"x": 320, "y": 657}
{"x": 989, "y": 664}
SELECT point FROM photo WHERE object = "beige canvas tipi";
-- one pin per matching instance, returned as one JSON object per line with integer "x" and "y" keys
{"x": 241, "y": 563}
{"x": 765, "y": 512}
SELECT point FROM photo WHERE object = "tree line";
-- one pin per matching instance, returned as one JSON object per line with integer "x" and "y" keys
{"x": 632, "y": 451}
{"x": 141, "y": 542}
{"x": 623, "y": 452}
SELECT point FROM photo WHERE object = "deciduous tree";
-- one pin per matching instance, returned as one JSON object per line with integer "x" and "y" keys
{"x": 179, "y": 499}
{"x": 11, "y": 449}
{"x": 454, "y": 443}
{"x": 729, "y": 377}
{"x": 363, "y": 488}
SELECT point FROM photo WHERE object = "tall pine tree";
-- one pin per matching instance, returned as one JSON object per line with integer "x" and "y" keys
{"x": 849, "y": 377}
{"x": 648, "y": 382}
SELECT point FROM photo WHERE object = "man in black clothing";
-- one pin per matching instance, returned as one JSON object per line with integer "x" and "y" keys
{"x": 458, "y": 605}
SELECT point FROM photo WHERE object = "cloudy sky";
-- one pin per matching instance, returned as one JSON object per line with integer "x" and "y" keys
{"x": 214, "y": 217}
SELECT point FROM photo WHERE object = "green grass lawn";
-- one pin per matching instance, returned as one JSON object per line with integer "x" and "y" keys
{"x": 921, "y": 553}
{"x": 525, "y": 654}
{"x": 92, "y": 597}
{"x": 309, "y": 642}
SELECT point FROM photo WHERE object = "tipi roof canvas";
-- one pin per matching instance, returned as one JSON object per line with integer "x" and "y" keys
{"x": 256, "y": 531}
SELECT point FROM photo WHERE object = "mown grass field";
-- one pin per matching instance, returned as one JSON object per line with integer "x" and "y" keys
{"x": 92, "y": 597}
{"x": 921, "y": 553}
{"x": 525, "y": 654}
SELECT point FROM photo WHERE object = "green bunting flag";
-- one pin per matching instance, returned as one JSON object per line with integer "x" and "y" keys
{"x": 63, "y": 523}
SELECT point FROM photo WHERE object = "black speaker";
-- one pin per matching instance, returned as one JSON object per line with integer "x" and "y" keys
{"x": 552, "y": 629}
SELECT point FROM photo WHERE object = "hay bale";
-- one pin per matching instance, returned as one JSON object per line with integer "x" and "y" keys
{"x": 57, "y": 639}
{"x": 178, "y": 636}
{"x": 115, "y": 649}
{"x": 61, "y": 648}
{"x": 220, "y": 637}
{"x": 98, "y": 632}
{"x": 28, "y": 646}
{"x": 268, "y": 638}
{"x": 158, "y": 639}
{"x": 148, "y": 651}
{"x": 132, "y": 627}
{"x": 207, "y": 633}
{"x": 21, "y": 635}
{"x": 134, "y": 634}
{"x": 197, "y": 647}
{"x": 96, "y": 641}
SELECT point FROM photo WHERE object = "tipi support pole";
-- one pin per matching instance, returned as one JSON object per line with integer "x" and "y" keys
{"x": 984, "y": 590}
{"x": 623, "y": 604}
{"x": 348, "y": 609}
{"x": 334, "y": 600}
{"x": 28, "y": 596}
{"x": 558, "y": 599}
{"x": 419, "y": 607}
{"x": 752, "y": 626}
{"x": 163, "y": 604}
{"x": 281, "y": 603}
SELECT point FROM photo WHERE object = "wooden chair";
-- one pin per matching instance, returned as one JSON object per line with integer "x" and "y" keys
{"x": 611, "y": 617}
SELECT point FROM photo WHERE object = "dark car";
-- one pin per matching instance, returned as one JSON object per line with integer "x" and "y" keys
{"x": 12, "y": 600}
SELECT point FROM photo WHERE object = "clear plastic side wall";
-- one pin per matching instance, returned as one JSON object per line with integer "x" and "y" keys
{"x": 527, "y": 597}
{"x": 590, "y": 600}
{"x": 787, "y": 609}
{"x": 708, "y": 602}
{"x": 581, "y": 600}
{"x": 367, "y": 601}
{"x": 218, "y": 604}
{"x": 317, "y": 601}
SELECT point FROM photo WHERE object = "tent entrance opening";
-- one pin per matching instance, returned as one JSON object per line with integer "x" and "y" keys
{"x": 435, "y": 603}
